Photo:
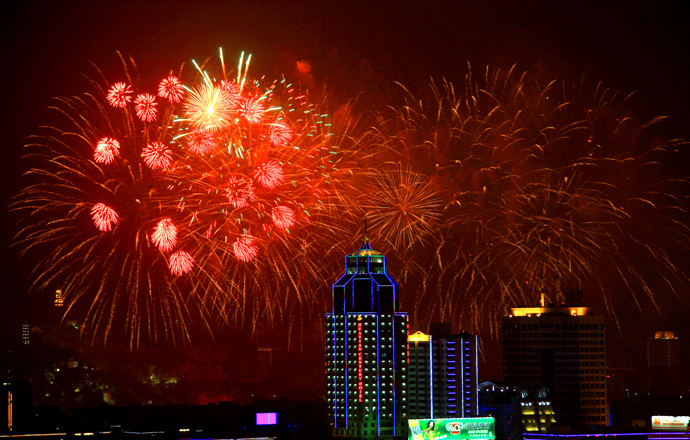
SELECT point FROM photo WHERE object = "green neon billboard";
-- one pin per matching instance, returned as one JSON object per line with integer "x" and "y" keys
{"x": 477, "y": 428}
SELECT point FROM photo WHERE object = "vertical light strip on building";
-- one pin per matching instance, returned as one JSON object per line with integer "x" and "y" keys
{"x": 452, "y": 378}
{"x": 476, "y": 375}
{"x": 9, "y": 411}
{"x": 431, "y": 376}
{"x": 462, "y": 377}
{"x": 360, "y": 385}
{"x": 346, "y": 374}
{"x": 378, "y": 379}
{"x": 395, "y": 371}
{"x": 334, "y": 370}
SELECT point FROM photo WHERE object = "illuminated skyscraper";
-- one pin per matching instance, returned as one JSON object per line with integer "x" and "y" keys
{"x": 562, "y": 349}
{"x": 442, "y": 374}
{"x": 366, "y": 351}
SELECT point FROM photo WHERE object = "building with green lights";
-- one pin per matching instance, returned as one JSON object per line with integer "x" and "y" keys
{"x": 366, "y": 351}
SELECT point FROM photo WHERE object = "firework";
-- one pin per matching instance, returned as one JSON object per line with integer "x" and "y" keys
{"x": 171, "y": 89}
{"x": 244, "y": 248}
{"x": 269, "y": 174}
{"x": 252, "y": 110}
{"x": 165, "y": 235}
{"x": 211, "y": 206}
{"x": 283, "y": 217}
{"x": 145, "y": 105}
{"x": 209, "y": 109}
{"x": 104, "y": 217}
{"x": 280, "y": 134}
{"x": 157, "y": 156}
{"x": 404, "y": 207}
{"x": 181, "y": 263}
{"x": 106, "y": 150}
{"x": 201, "y": 142}
{"x": 538, "y": 193}
{"x": 119, "y": 94}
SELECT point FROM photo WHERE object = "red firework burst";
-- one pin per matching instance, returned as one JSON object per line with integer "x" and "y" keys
{"x": 180, "y": 263}
{"x": 106, "y": 150}
{"x": 104, "y": 217}
{"x": 244, "y": 248}
{"x": 280, "y": 134}
{"x": 201, "y": 142}
{"x": 119, "y": 94}
{"x": 252, "y": 110}
{"x": 269, "y": 174}
{"x": 231, "y": 91}
{"x": 171, "y": 89}
{"x": 157, "y": 156}
{"x": 239, "y": 191}
{"x": 165, "y": 235}
{"x": 283, "y": 216}
{"x": 145, "y": 106}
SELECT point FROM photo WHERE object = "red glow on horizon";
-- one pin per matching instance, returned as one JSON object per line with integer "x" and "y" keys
{"x": 165, "y": 235}
{"x": 106, "y": 150}
{"x": 104, "y": 217}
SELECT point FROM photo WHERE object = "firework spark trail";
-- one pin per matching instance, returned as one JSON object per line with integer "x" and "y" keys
{"x": 134, "y": 210}
{"x": 404, "y": 207}
{"x": 538, "y": 189}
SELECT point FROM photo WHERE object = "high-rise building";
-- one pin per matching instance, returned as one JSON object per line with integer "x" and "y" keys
{"x": 443, "y": 379}
{"x": 25, "y": 333}
{"x": 562, "y": 349}
{"x": 366, "y": 351}
{"x": 16, "y": 406}
{"x": 663, "y": 350}
{"x": 59, "y": 298}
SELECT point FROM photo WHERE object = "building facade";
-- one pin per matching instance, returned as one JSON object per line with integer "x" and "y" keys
{"x": 517, "y": 410}
{"x": 663, "y": 350}
{"x": 443, "y": 374}
{"x": 562, "y": 349}
{"x": 366, "y": 351}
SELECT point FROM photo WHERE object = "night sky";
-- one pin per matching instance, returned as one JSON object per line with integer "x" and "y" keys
{"x": 356, "y": 49}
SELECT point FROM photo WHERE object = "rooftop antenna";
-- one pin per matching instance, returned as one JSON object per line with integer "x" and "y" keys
{"x": 366, "y": 239}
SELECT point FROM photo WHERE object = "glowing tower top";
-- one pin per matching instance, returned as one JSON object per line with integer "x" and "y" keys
{"x": 366, "y": 286}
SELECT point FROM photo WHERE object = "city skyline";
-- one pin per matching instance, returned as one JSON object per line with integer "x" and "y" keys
{"x": 52, "y": 46}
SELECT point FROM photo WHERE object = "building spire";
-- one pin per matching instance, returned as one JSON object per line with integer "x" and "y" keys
{"x": 366, "y": 238}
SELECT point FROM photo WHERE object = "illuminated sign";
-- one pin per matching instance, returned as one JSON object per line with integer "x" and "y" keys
{"x": 670, "y": 423}
{"x": 457, "y": 429}
{"x": 266, "y": 418}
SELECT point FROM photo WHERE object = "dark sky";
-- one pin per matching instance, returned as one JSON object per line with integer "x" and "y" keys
{"x": 353, "y": 46}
